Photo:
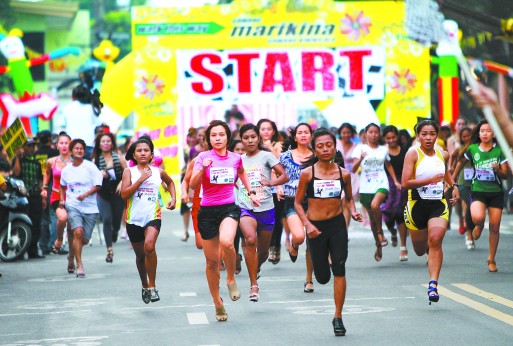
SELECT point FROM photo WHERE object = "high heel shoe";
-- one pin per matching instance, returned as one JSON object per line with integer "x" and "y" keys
{"x": 338, "y": 327}
{"x": 253, "y": 296}
{"x": 292, "y": 257}
{"x": 110, "y": 256}
{"x": 433, "y": 292}
{"x": 403, "y": 258}
{"x": 71, "y": 265}
{"x": 492, "y": 267}
{"x": 378, "y": 254}
{"x": 185, "y": 236}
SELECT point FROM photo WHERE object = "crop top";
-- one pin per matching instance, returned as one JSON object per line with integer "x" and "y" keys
{"x": 324, "y": 188}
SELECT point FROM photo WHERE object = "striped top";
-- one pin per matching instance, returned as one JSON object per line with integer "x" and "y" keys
{"x": 143, "y": 206}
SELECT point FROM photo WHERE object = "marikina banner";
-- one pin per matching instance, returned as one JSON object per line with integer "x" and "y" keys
{"x": 318, "y": 61}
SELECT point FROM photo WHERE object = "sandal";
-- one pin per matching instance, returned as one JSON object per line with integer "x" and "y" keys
{"x": 80, "y": 272}
{"x": 234, "y": 292}
{"x": 110, "y": 256}
{"x": 272, "y": 254}
{"x": 308, "y": 289}
{"x": 292, "y": 257}
{"x": 433, "y": 292}
{"x": 384, "y": 241}
{"x": 71, "y": 265}
{"x": 378, "y": 255}
{"x": 394, "y": 240}
{"x": 185, "y": 236}
{"x": 221, "y": 315}
{"x": 492, "y": 267}
{"x": 403, "y": 257}
{"x": 253, "y": 296}
{"x": 277, "y": 256}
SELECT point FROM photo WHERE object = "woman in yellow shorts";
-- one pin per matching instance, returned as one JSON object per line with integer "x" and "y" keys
{"x": 426, "y": 214}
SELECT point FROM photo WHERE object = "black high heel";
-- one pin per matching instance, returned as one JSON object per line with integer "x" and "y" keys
{"x": 292, "y": 257}
{"x": 338, "y": 327}
{"x": 433, "y": 292}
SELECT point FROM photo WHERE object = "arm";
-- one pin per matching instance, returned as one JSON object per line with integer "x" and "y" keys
{"x": 17, "y": 167}
{"x": 304, "y": 178}
{"x": 461, "y": 163}
{"x": 502, "y": 170}
{"x": 356, "y": 164}
{"x": 62, "y": 194}
{"x": 391, "y": 171}
{"x": 279, "y": 178}
{"x": 92, "y": 191}
{"x": 348, "y": 196}
{"x": 186, "y": 181}
{"x": 170, "y": 188}
{"x": 127, "y": 188}
{"x": 197, "y": 174}
{"x": 46, "y": 179}
{"x": 449, "y": 180}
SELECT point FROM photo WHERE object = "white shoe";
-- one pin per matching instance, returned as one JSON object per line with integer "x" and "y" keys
{"x": 405, "y": 257}
{"x": 470, "y": 244}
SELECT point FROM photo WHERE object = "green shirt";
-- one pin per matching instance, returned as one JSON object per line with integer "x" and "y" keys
{"x": 485, "y": 179}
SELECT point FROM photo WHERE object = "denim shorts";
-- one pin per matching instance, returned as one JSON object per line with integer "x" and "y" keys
{"x": 265, "y": 219}
{"x": 78, "y": 219}
{"x": 289, "y": 206}
{"x": 210, "y": 218}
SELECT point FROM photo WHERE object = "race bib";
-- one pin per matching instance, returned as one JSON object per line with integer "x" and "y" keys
{"x": 372, "y": 176}
{"x": 327, "y": 188}
{"x": 468, "y": 173}
{"x": 222, "y": 175}
{"x": 77, "y": 189}
{"x": 431, "y": 191}
{"x": 485, "y": 174}
{"x": 254, "y": 178}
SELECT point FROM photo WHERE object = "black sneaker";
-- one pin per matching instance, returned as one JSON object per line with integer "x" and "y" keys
{"x": 154, "y": 295}
{"x": 338, "y": 327}
{"x": 146, "y": 295}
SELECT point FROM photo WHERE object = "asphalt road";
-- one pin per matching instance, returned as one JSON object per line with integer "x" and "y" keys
{"x": 40, "y": 304}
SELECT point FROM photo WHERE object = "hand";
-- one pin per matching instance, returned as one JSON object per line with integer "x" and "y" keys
{"x": 81, "y": 197}
{"x": 61, "y": 204}
{"x": 397, "y": 185}
{"x": 455, "y": 195}
{"x": 118, "y": 189}
{"x": 264, "y": 181}
{"x": 438, "y": 178}
{"x": 105, "y": 174}
{"x": 44, "y": 193}
{"x": 312, "y": 231}
{"x": 255, "y": 199}
{"x": 363, "y": 155}
{"x": 185, "y": 198}
{"x": 279, "y": 193}
{"x": 206, "y": 162}
{"x": 495, "y": 167}
{"x": 484, "y": 96}
{"x": 146, "y": 173}
{"x": 171, "y": 204}
{"x": 357, "y": 216}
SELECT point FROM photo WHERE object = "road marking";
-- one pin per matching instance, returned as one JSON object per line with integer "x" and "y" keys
{"x": 482, "y": 308}
{"x": 44, "y": 313}
{"x": 487, "y": 295}
{"x": 76, "y": 340}
{"x": 197, "y": 318}
{"x": 188, "y": 294}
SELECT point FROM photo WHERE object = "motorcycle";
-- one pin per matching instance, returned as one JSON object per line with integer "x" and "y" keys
{"x": 16, "y": 233}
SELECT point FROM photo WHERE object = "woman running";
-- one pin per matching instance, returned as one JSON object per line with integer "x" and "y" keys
{"x": 79, "y": 184}
{"x": 326, "y": 230}
{"x": 393, "y": 208}
{"x": 257, "y": 223}
{"x": 54, "y": 167}
{"x": 346, "y": 146}
{"x": 465, "y": 183}
{"x": 374, "y": 159}
{"x": 217, "y": 170}
{"x": 139, "y": 187}
{"x": 426, "y": 213}
{"x": 292, "y": 160}
{"x": 271, "y": 140}
{"x": 110, "y": 203}
{"x": 490, "y": 165}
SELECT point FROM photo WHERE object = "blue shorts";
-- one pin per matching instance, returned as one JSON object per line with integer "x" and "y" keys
{"x": 265, "y": 219}
{"x": 78, "y": 219}
{"x": 289, "y": 206}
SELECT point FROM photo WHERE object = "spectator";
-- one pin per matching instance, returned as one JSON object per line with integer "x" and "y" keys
{"x": 234, "y": 118}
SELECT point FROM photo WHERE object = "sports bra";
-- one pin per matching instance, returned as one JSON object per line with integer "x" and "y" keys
{"x": 324, "y": 188}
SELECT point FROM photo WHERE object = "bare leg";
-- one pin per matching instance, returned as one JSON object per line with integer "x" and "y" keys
{"x": 419, "y": 240}
{"x": 62, "y": 220}
{"x": 339, "y": 294}
{"x": 297, "y": 230}
{"x": 211, "y": 252}
{"x": 227, "y": 231}
{"x": 264, "y": 240}
{"x": 248, "y": 226}
{"x": 309, "y": 268}
{"x": 478, "y": 213}
{"x": 495, "y": 215}
{"x": 78, "y": 238}
{"x": 186, "y": 217}
{"x": 139, "y": 262}
{"x": 436, "y": 233}
{"x": 150, "y": 256}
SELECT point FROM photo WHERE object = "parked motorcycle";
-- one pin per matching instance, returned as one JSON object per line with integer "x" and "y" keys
{"x": 15, "y": 225}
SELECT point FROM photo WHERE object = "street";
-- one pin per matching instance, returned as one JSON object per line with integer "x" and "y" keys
{"x": 386, "y": 302}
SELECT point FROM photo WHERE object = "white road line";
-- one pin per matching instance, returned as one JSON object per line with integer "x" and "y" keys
{"x": 188, "y": 294}
{"x": 197, "y": 318}
{"x": 44, "y": 313}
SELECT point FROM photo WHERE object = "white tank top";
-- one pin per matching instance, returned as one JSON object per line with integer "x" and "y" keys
{"x": 143, "y": 206}
{"x": 427, "y": 167}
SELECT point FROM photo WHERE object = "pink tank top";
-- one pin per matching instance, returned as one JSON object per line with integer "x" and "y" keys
{"x": 56, "y": 174}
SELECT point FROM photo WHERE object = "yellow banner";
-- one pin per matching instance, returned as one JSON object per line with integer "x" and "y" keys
{"x": 14, "y": 138}
{"x": 327, "y": 61}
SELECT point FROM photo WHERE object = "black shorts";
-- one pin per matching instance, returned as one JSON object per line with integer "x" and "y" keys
{"x": 184, "y": 208}
{"x": 210, "y": 218}
{"x": 55, "y": 205}
{"x": 136, "y": 233}
{"x": 490, "y": 199}
{"x": 417, "y": 213}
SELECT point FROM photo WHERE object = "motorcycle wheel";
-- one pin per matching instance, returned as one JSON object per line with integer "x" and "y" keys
{"x": 14, "y": 248}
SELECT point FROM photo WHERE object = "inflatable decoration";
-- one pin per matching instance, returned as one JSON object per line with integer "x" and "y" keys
{"x": 27, "y": 106}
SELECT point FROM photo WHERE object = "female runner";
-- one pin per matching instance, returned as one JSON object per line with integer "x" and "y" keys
{"x": 218, "y": 217}
{"x": 346, "y": 146}
{"x": 54, "y": 166}
{"x": 325, "y": 224}
{"x": 490, "y": 165}
{"x": 373, "y": 159}
{"x": 140, "y": 187}
{"x": 426, "y": 213}
{"x": 257, "y": 223}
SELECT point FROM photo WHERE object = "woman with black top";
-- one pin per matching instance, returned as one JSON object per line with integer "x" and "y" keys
{"x": 393, "y": 207}
{"x": 110, "y": 203}
{"x": 325, "y": 225}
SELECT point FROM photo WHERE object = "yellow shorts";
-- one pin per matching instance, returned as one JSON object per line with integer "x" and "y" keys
{"x": 417, "y": 213}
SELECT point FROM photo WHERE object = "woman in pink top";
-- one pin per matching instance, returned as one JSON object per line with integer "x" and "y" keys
{"x": 217, "y": 171}
{"x": 346, "y": 146}
{"x": 54, "y": 167}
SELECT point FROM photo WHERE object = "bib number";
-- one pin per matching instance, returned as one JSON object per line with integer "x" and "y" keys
{"x": 326, "y": 188}
{"x": 485, "y": 174}
{"x": 468, "y": 173}
{"x": 222, "y": 175}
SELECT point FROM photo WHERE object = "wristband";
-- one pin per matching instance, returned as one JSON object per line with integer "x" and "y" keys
{"x": 453, "y": 185}
{"x": 252, "y": 192}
